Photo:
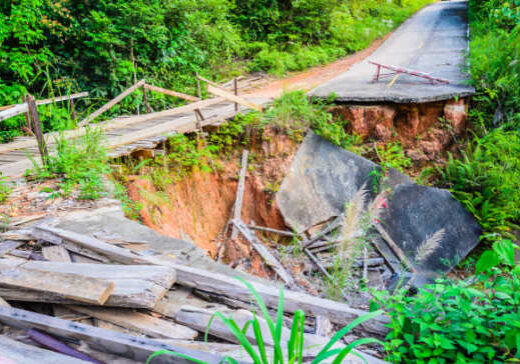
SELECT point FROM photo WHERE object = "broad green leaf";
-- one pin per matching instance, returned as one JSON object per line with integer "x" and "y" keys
{"x": 487, "y": 260}
{"x": 506, "y": 250}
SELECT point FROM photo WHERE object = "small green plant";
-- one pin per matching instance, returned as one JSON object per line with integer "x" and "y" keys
{"x": 294, "y": 346}
{"x": 80, "y": 163}
{"x": 5, "y": 189}
{"x": 391, "y": 155}
{"x": 470, "y": 321}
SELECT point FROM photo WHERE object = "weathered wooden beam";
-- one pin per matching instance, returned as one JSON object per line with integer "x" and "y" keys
{"x": 136, "y": 286}
{"x": 111, "y": 103}
{"x": 171, "y": 93}
{"x": 240, "y": 192}
{"x": 56, "y": 253}
{"x": 37, "y": 129}
{"x": 229, "y": 96}
{"x": 137, "y": 321}
{"x": 19, "y": 352}
{"x": 395, "y": 248}
{"x": 268, "y": 257}
{"x": 62, "y": 98}
{"x": 69, "y": 286}
{"x": 270, "y": 230}
{"x": 199, "y": 318}
{"x": 13, "y": 111}
{"x": 339, "y": 313}
{"x": 112, "y": 252}
{"x": 136, "y": 348}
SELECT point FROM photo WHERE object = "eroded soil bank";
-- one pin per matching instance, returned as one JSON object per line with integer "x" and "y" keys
{"x": 198, "y": 206}
{"x": 425, "y": 130}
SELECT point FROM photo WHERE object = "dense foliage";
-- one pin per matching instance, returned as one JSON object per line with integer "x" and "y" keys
{"x": 485, "y": 178}
{"x": 55, "y": 47}
{"x": 472, "y": 321}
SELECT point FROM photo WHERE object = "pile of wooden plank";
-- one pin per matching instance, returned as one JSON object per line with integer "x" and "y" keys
{"x": 68, "y": 295}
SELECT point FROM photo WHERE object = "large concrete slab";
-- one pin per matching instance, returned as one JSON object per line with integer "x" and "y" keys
{"x": 434, "y": 40}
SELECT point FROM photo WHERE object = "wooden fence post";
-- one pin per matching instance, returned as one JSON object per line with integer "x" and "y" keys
{"x": 145, "y": 99}
{"x": 27, "y": 116}
{"x": 199, "y": 91}
{"x": 72, "y": 109}
{"x": 37, "y": 128}
{"x": 235, "y": 84}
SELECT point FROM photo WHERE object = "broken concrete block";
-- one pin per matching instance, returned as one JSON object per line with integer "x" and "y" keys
{"x": 322, "y": 178}
{"x": 415, "y": 213}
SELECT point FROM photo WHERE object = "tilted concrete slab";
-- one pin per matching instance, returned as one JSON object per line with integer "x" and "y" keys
{"x": 434, "y": 41}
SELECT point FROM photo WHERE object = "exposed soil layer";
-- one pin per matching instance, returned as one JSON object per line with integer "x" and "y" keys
{"x": 199, "y": 206}
{"x": 425, "y": 130}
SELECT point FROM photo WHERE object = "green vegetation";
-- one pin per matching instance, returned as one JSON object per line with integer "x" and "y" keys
{"x": 470, "y": 321}
{"x": 79, "y": 163}
{"x": 485, "y": 178}
{"x": 293, "y": 353}
{"x": 56, "y": 47}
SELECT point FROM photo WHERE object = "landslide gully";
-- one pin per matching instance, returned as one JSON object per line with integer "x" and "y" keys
{"x": 199, "y": 205}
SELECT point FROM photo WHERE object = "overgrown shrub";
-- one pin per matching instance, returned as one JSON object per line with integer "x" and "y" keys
{"x": 80, "y": 163}
{"x": 472, "y": 321}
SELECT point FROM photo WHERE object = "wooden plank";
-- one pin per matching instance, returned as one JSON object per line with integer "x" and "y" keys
{"x": 56, "y": 253}
{"x": 222, "y": 349}
{"x": 115, "y": 253}
{"x": 84, "y": 252}
{"x": 170, "y": 92}
{"x": 168, "y": 127}
{"x": 82, "y": 289}
{"x": 13, "y": 111}
{"x": 18, "y": 352}
{"x": 137, "y": 348}
{"x": 111, "y": 103}
{"x": 62, "y": 98}
{"x": 143, "y": 323}
{"x": 240, "y": 193}
{"x": 229, "y": 96}
{"x": 394, "y": 247}
{"x": 131, "y": 293}
{"x": 7, "y": 245}
{"x": 198, "y": 319}
{"x": 160, "y": 275}
{"x": 117, "y": 123}
{"x": 4, "y": 302}
{"x": 268, "y": 257}
{"x": 339, "y": 313}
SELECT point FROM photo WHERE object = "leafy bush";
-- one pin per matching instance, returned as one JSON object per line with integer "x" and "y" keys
{"x": 485, "y": 180}
{"x": 472, "y": 321}
{"x": 80, "y": 163}
{"x": 295, "y": 344}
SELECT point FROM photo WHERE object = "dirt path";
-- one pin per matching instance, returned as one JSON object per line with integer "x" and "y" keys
{"x": 315, "y": 76}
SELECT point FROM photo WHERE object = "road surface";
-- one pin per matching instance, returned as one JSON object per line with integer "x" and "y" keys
{"x": 434, "y": 40}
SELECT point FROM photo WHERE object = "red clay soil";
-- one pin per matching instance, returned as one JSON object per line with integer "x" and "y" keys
{"x": 200, "y": 204}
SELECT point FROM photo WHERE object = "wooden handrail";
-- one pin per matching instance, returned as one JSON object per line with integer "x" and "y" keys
{"x": 111, "y": 103}
{"x": 170, "y": 92}
{"x": 10, "y": 111}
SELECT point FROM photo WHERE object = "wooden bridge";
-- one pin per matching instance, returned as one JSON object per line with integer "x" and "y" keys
{"x": 126, "y": 134}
